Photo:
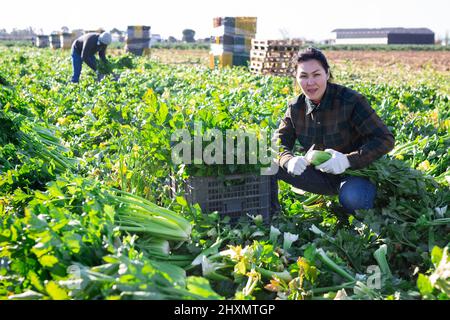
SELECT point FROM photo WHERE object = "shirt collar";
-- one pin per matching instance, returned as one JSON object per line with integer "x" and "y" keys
{"x": 310, "y": 106}
{"x": 324, "y": 103}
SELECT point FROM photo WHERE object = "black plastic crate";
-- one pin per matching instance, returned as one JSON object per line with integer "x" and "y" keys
{"x": 232, "y": 195}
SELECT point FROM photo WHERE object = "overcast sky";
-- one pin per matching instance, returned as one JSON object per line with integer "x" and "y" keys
{"x": 313, "y": 19}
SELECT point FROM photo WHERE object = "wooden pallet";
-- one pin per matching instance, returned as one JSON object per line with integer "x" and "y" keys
{"x": 273, "y": 54}
{"x": 274, "y": 70}
{"x": 292, "y": 42}
{"x": 276, "y": 45}
{"x": 261, "y": 57}
{"x": 277, "y": 48}
{"x": 271, "y": 64}
{"x": 270, "y": 59}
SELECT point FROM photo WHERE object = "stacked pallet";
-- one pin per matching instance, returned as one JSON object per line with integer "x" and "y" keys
{"x": 274, "y": 56}
{"x": 94, "y": 31}
{"x": 138, "y": 39}
{"x": 42, "y": 41}
{"x": 66, "y": 40}
{"x": 231, "y": 41}
{"x": 55, "y": 41}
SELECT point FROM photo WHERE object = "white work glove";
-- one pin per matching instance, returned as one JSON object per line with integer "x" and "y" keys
{"x": 296, "y": 165}
{"x": 337, "y": 164}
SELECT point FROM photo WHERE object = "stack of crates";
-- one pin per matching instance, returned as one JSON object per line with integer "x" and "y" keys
{"x": 66, "y": 40}
{"x": 231, "y": 196}
{"x": 138, "y": 39}
{"x": 76, "y": 34}
{"x": 94, "y": 31}
{"x": 55, "y": 41}
{"x": 274, "y": 56}
{"x": 42, "y": 41}
{"x": 231, "y": 41}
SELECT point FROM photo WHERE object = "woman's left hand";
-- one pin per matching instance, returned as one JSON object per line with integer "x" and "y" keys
{"x": 337, "y": 164}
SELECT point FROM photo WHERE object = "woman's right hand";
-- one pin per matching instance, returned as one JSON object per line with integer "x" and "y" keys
{"x": 296, "y": 165}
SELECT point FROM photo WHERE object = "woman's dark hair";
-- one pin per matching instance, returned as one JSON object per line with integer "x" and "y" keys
{"x": 312, "y": 53}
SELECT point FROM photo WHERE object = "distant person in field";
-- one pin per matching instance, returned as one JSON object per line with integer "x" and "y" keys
{"x": 332, "y": 118}
{"x": 84, "y": 49}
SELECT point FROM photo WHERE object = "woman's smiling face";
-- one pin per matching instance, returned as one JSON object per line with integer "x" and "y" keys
{"x": 312, "y": 78}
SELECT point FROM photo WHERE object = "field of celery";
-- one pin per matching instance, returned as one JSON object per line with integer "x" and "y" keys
{"x": 87, "y": 212}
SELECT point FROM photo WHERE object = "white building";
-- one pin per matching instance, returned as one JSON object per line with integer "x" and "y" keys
{"x": 384, "y": 36}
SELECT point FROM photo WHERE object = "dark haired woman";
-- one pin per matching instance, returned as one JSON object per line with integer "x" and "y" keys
{"x": 334, "y": 118}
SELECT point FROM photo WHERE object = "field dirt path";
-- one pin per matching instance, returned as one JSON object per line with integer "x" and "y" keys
{"x": 436, "y": 60}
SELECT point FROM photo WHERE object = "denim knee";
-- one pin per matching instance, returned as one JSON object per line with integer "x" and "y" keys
{"x": 356, "y": 193}
{"x": 77, "y": 65}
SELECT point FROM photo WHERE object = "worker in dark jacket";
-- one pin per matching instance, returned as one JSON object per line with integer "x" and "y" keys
{"x": 84, "y": 49}
{"x": 336, "y": 119}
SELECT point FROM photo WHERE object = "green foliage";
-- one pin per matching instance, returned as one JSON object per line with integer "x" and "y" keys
{"x": 64, "y": 147}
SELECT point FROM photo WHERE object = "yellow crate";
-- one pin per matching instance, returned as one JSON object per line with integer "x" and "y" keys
{"x": 226, "y": 59}
{"x": 211, "y": 61}
{"x": 138, "y": 32}
{"x": 246, "y": 24}
{"x": 146, "y": 52}
{"x": 248, "y": 44}
{"x": 222, "y": 60}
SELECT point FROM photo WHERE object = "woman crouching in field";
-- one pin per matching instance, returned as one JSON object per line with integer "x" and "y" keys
{"x": 338, "y": 120}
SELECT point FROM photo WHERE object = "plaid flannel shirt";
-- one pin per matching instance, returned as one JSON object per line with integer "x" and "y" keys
{"x": 343, "y": 121}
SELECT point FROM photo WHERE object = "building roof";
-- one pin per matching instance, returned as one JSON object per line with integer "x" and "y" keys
{"x": 385, "y": 31}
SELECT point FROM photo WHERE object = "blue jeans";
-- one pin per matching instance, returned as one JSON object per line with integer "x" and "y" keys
{"x": 354, "y": 192}
{"x": 77, "y": 64}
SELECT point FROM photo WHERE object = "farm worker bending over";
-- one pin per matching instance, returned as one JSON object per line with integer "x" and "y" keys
{"x": 84, "y": 49}
{"x": 336, "y": 119}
